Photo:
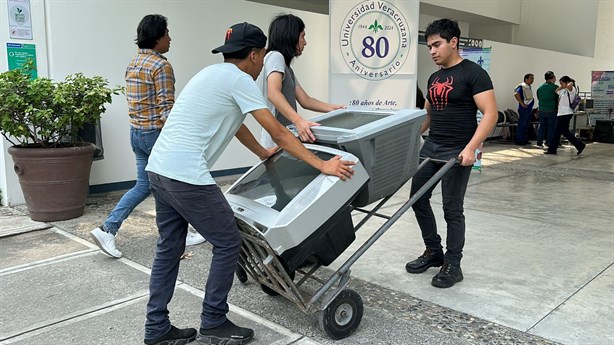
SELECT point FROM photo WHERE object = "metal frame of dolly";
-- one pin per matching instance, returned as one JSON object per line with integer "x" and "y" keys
{"x": 341, "y": 309}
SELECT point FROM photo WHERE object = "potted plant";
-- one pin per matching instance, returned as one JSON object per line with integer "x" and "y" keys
{"x": 41, "y": 118}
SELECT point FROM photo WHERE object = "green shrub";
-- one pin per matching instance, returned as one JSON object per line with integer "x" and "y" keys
{"x": 44, "y": 113}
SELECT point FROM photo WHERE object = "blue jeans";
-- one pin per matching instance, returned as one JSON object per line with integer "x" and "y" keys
{"x": 453, "y": 187}
{"x": 547, "y": 123}
{"x": 524, "y": 118}
{"x": 206, "y": 208}
{"x": 142, "y": 142}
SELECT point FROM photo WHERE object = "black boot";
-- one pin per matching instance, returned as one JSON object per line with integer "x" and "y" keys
{"x": 447, "y": 276}
{"x": 430, "y": 258}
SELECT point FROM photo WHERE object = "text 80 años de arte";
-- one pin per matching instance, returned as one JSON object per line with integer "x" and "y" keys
{"x": 372, "y": 103}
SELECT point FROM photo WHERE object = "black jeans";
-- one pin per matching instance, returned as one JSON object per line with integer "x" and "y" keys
{"x": 547, "y": 125}
{"x": 562, "y": 128}
{"x": 206, "y": 208}
{"x": 453, "y": 187}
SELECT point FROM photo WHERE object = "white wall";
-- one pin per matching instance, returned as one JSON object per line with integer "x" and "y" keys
{"x": 9, "y": 183}
{"x": 551, "y": 25}
{"x": 195, "y": 29}
{"x": 96, "y": 38}
{"x": 604, "y": 35}
{"x": 508, "y": 10}
{"x": 506, "y": 72}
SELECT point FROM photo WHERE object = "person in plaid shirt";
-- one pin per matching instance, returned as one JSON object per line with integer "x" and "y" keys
{"x": 150, "y": 91}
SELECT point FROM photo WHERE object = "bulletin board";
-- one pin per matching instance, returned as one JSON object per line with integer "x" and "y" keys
{"x": 602, "y": 92}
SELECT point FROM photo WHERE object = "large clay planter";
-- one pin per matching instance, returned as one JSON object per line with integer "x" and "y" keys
{"x": 54, "y": 181}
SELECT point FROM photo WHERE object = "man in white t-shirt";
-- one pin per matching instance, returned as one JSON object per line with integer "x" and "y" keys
{"x": 207, "y": 114}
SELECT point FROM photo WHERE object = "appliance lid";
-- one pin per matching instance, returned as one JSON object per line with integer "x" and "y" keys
{"x": 276, "y": 181}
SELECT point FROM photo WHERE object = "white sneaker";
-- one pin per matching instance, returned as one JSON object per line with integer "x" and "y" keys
{"x": 106, "y": 242}
{"x": 193, "y": 238}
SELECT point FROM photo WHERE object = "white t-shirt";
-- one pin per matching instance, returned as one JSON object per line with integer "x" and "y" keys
{"x": 564, "y": 108}
{"x": 206, "y": 115}
{"x": 274, "y": 62}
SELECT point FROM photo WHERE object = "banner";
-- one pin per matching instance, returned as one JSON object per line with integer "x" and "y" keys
{"x": 481, "y": 57}
{"x": 373, "y": 53}
{"x": 602, "y": 93}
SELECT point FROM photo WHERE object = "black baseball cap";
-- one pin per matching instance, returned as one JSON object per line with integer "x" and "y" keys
{"x": 240, "y": 36}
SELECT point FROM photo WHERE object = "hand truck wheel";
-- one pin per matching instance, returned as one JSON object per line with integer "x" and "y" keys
{"x": 341, "y": 318}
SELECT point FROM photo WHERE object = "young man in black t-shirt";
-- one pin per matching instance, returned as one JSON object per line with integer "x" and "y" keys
{"x": 454, "y": 94}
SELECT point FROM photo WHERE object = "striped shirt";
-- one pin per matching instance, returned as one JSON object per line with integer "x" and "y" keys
{"x": 150, "y": 89}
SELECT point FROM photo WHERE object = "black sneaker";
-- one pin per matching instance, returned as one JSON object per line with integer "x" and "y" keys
{"x": 581, "y": 150}
{"x": 447, "y": 276}
{"x": 430, "y": 258}
{"x": 175, "y": 336}
{"x": 227, "y": 334}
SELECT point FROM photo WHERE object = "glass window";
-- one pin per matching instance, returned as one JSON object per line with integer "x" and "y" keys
{"x": 276, "y": 181}
{"x": 351, "y": 120}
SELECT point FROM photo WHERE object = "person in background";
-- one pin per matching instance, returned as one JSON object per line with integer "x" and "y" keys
{"x": 420, "y": 100}
{"x": 547, "y": 97}
{"x": 208, "y": 113}
{"x": 454, "y": 95}
{"x": 150, "y": 91}
{"x": 279, "y": 84}
{"x": 566, "y": 91}
{"x": 524, "y": 96}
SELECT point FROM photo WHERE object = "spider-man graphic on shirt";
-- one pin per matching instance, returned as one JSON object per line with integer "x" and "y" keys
{"x": 439, "y": 92}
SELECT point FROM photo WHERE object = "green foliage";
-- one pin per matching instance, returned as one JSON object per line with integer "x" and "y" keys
{"x": 375, "y": 26}
{"x": 45, "y": 113}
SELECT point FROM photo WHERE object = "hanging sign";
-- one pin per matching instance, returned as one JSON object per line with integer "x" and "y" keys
{"x": 463, "y": 42}
{"x": 20, "y": 19}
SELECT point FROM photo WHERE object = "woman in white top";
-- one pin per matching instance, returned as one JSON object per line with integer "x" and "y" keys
{"x": 567, "y": 92}
{"x": 278, "y": 83}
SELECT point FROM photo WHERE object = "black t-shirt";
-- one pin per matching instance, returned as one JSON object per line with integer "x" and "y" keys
{"x": 453, "y": 111}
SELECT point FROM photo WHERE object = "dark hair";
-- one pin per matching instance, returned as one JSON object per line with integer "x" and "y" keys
{"x": 565, "y": 79}
{"x": 239, "y": 55}
{"x": 151, "y": 28}
{"x": 284, "y": 32}
{"x": 446, "y": 28}
{"x": 549, "y": 75}
{"x": 528, "y": 75}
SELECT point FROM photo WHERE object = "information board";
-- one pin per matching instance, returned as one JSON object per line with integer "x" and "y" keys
{"x": 602, "y": 92}
{"x": 373, "y": 53}
{"x": 18, "y": 54}
{"x": 20, "y": 19}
